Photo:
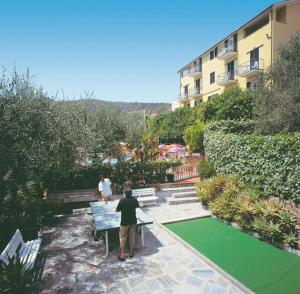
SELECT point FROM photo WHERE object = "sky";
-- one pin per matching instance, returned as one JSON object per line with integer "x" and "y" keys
{"x": 123, "y": 50}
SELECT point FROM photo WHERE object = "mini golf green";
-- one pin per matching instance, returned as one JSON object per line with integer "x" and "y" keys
{"x": 260, "y": 266}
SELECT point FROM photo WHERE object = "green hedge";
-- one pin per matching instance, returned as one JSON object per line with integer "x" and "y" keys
{"x": 140, "y": 173}
{"x": 231, "y": 126}
{"x": 272, "y": 163}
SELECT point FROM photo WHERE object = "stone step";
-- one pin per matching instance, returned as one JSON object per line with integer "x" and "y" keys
{"x": 175, "y": 201}
{"x": 179, "y": 189}
{"x": 184, "y": 194}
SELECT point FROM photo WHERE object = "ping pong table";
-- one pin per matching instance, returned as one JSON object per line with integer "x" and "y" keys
{"x": 105, "y": 219}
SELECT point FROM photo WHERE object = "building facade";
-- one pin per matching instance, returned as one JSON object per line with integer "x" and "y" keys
{"x": 241, "y": 56}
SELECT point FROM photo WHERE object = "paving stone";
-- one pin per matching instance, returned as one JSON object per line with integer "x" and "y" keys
{"x": 204, "y": 273}
{"x": 153, "y": 285}
{"x": 194, "y": 281}
{"x": 76, "y": 265}
{"x": 212, "y": 289}
{"x": 166, "y": 281}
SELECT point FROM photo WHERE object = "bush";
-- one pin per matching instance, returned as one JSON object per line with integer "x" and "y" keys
{"x": 232, "y": 126}
{"x": 271, "y": 163}
{"x": 194, "y": 136}
{"x": 140, "y": 173}
{"x": 233, "y": 104}
{"x": 205, "y": 169}
{"x": 207, "y": 190}
{"x": 278, "y": 100}
{"x": 223, "y": 206}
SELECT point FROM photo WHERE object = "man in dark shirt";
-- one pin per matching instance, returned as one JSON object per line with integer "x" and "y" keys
{"x": 127, "y": 207}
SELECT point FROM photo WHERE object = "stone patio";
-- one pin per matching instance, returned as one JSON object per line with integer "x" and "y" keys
{"x": 77, "y": 264}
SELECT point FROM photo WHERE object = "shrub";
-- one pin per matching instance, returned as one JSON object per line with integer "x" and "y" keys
{"x": 233, "y": 103}
{"x": 278, "y": 106}
{"x": 231, "y": 126}
{"x": 271, "y": 163}
{"x": 207, "y": 190}
{"x": 205, "y": 169}
{"x": 223, "y": 205}
{"x": 194, "y": 136}
{"x": 291, "y": 239}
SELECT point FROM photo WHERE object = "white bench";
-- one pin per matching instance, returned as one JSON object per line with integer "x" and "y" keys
{"x": 145, "y": 196}
{"x": 27, "y": 251}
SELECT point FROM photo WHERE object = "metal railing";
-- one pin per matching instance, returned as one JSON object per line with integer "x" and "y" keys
{"x": 185, "y": 171}
{"x": 251, "y": 66}
{"x": 196, "y": 69}
{"x": 191, "y": 93}
{"x": 229, "y": 50}
{"x": 226, "y": 77}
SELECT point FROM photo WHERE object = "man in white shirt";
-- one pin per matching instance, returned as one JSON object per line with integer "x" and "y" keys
{"x": 104, "y": 189}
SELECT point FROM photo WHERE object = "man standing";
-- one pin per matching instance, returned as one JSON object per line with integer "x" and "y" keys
{"x": 104, "y": 189}
{"x": 127, "y": 207}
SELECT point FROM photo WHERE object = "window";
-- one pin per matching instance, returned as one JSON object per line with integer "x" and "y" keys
{"x": 197, "y": 103}
{"x": 197, "y": 86}
{"x": 211, "y": 96}
{"x": 230, "y": 70}
{"x": 212, "y": 77}
{"x": 211, "y": 55}
{"x": 254, "y": 59}
{"x": 186, "y": 91}
{"x": 251, "y": 85}
{"x": 256, "y": 26}
{"x": 281, "y": 14}
{"x": 216, "y": 51}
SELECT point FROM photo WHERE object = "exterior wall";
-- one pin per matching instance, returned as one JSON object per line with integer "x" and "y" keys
{"x": 260, "y": 38}
{"x": 282, "y": 32}
{"x": 267, "y": 38}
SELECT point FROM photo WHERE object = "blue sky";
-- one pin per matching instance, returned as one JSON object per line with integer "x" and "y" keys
{"x": 123, "y": 50}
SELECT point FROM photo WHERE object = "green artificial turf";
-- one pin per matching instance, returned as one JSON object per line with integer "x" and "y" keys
{"x": 260, "y": 266}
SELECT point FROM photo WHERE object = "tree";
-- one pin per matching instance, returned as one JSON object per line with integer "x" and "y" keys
{"x": 232, "y": 104}
{"x": 194, "y": 136}
{"x": 278, "y": 92}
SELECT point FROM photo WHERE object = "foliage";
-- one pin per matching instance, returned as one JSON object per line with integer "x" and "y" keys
{"x": 232, "y": 201}
{"x": 170, "y": 125}
{"x": 140, "y": 173}
{"x": 209, "y": 189}
{"x": 15, "y": 277}
{"x": 194, "y": 136}
{"x": 271, "y": 163}
{"x": 231, "y": 126}
{"x": 232, "y": 104}
{"x": 291, "y": 239}
{"x": 205, "y": 169}
{"x": 223, "y": 205}
{"x": 278, "y": 99}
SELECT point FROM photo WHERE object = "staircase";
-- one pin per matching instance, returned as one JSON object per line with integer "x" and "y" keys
{"x": 183, "y": 195}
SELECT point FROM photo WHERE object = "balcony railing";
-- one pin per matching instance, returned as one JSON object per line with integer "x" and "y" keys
{"x": 183, "y": 97}
{"x": 196, "y": 92}
{"x": 227, "y": 78}
{"x": 227, "y": 52}
{"x": 196, "y": 70}
{"x": 248, "y": 68}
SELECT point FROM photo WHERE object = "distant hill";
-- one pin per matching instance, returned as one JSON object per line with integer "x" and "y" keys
{"x": 150, "y": 108}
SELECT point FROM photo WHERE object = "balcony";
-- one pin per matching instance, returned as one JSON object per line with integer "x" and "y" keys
{"x": 184, "y": 97}
{"x": 227, "y": 53}
{"x": 196, "y": 71}
{"x": 250, "y": 69}
{"x": 196, "y": 93}
{"x": 227, "y": 78}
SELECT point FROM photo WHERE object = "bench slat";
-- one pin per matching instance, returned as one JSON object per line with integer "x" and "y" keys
{"x": 33, "y": 253}
{"x": 12, "y": 246}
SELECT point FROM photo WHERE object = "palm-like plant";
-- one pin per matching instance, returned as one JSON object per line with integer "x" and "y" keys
{"x": 291, "y": 239}
{"x": 15, "y": 277}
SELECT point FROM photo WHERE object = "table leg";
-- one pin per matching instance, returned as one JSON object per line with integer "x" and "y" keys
{"x": 106, "y": 243}
{"x": 142, "y": 235}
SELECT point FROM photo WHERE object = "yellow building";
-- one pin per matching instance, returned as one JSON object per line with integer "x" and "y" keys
{"x": 238, "y": 58}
